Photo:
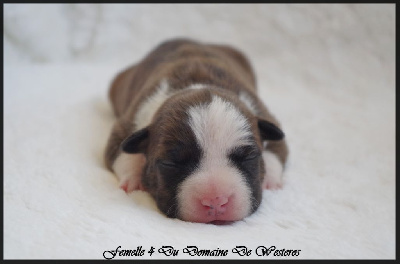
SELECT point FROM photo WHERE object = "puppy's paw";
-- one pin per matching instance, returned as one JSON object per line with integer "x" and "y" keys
{"x": 129, "y": 169}
{"x": 273, "y": 171}
{"x": 272, "y": 184}
{"x": 130, "y": 185}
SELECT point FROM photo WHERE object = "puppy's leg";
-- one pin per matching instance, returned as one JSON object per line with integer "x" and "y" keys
{"x": 274, "y": 156}
{"x": 273, "y": 171}
{"x": 129, "y": 169}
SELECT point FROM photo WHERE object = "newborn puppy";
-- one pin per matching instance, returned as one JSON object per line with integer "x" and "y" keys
{"x": 192, "y": 132}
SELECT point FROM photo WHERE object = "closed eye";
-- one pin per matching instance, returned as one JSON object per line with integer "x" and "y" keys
{"x": 167, "y": 164}
{"x": 251, "y": 156}
{"x": 245, "y": 153}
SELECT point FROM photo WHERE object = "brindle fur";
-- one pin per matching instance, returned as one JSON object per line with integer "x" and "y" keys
{"x": 183, "y": 62}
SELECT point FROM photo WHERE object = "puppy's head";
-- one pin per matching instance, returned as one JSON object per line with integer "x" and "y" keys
{"x": 203, "y": 151}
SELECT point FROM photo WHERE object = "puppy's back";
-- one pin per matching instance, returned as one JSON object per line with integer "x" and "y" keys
{"x": 183, "y": 62}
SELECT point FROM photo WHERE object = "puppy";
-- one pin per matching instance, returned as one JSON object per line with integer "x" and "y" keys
{"x": 192, "y": 132}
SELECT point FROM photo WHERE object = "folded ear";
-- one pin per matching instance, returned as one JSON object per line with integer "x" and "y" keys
{"x": 137, "y": 142}
{"x": 269, "y": 131}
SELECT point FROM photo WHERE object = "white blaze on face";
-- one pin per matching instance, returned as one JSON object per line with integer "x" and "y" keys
{"x": 219, "y": 127}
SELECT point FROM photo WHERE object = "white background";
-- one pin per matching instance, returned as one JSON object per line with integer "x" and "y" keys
{"x": 327, "y": 72}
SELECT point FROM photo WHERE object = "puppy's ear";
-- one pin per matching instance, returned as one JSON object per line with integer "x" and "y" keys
{"x": 137, "y": 142}
{"x": 269, "y": 131}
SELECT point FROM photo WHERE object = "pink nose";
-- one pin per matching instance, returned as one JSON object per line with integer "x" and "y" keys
{"x": 216, "y": 205}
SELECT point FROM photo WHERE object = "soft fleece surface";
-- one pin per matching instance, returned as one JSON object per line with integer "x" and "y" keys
{"x": 326, "y": 71}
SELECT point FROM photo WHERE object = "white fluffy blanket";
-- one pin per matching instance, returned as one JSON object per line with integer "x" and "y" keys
{"x": 326, "y": 72}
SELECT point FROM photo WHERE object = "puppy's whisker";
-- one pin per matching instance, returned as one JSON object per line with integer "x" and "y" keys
{"x": 171, "y": 207}
{"x": 254, "y": 203}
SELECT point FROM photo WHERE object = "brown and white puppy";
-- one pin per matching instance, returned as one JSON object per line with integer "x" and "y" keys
{"x": 192, "y": 132}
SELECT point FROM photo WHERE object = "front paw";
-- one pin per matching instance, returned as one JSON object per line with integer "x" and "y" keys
{"x": 130, "y": 185}
{"x": 274, "y": 184}
{"x": 273, "y": 171}
{"x": 129, "y": 170}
